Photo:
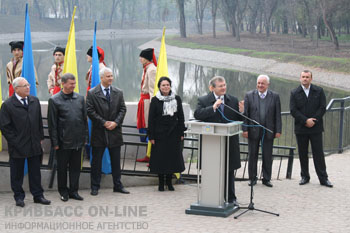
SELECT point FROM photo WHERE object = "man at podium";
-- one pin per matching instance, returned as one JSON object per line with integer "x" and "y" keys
{"x": 213, "y": 108}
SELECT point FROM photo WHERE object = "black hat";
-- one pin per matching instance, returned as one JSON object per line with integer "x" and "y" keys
{"x": 59, "y": 49}
{"x": 89, "y": 52}
{"x": 147, "y": 53}
{"x": 16, "y": 45}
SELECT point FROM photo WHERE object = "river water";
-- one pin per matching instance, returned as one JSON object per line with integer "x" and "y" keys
{"x": 122, "y": 56}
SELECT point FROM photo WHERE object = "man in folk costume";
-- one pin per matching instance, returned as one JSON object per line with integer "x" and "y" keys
{"x": 54, "y": 78}
{"x": 102, "y": 64}
{"x": 14, "y": 67}
{"x": 149, "y": 62}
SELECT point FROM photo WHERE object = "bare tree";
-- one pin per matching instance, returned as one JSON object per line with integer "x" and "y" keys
{"x": 228, "y": 9}
{"x": 270, "y": 7}
{"x": 214, "y": 9}
{"x": 329, "y": 8}
{"x": 234, "y": 10}
{"x": 241, "y": 7}
{"x": 113, "y": 8}
{"x": 54, "y": 6}
{"x": 254, "y": 7}
{"x": 200, "y": 7}
{"x": 181, "y": 7}
{"x": 63, "y": 2}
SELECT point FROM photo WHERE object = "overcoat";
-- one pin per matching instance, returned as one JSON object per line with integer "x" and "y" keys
{"x": 99, "y": 111}
{"x": 166, "y": 153}
{"x": 22, "y": 127}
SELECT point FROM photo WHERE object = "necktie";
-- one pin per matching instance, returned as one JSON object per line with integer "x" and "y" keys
{"x": 24, "y": 102}
{"x": 107, "y": 94}
{"x": 262, "y": 96}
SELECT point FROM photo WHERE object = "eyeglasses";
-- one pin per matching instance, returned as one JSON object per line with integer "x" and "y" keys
{"x": 25, "y": 85}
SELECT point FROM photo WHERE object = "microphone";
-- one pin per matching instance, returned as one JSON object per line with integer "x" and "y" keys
{"x": 254, "y": 121}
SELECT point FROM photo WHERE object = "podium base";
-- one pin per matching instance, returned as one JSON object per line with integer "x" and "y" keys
{"x": 224, "y": 211}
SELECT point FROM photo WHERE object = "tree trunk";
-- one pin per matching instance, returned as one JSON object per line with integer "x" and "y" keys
{"x": 330, "y": 28}
{"x": 64, "y": 8}
{"x": 214, "y": 8}
{"x": 149, "y": 10}
{"x": 260, "y": 22}
{"x": 285, "y": 25}
{"x": 254, "y": 15}
{"x": 69, "y": 10}
{"x": 200, "y": 7}
{"x": 181, "y": 6}
{"x": 114, "y": 6}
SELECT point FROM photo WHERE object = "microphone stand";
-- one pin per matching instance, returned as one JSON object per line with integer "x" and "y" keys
{"x": 251, "y": 203}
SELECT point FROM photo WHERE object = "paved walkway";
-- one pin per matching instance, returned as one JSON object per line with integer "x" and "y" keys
{"x": 309, "y": 208}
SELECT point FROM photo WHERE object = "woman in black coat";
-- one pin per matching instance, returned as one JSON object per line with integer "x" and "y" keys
{"x": 166, "y": 132}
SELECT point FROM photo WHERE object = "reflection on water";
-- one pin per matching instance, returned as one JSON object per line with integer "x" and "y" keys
{"x": 189, "y": 80}
{"x": 238, "y": 83}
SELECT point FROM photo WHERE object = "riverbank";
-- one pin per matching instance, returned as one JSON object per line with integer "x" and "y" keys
{"x": 85, "y": 35}
{"x": 239, "y": 62}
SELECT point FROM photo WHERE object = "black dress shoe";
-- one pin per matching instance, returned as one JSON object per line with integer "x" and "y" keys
{"x": 252, "y": 182}
{"x": 64, "y": 198}
{"x": 76, "y": 196}
{"x": 20, "y": 203}
{"x": 121, "y": 190}
{"x": 304, "y": 181}
{"x": 42, "y": 200}
{"x": 94, "y": 192}
{"x": 327, "y": 183}
{"x": 267, "y": 183}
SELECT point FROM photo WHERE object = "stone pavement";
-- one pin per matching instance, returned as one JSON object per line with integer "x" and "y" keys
{"x": 308, "y": 208}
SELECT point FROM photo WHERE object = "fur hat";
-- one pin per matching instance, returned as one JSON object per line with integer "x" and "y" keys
{"x": 147, "y": 54}
{"x": 59, "y": 49}
{"x": 16, "y": 45}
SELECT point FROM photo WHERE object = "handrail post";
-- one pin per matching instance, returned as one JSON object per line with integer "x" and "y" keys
{"x": 290, "y": 164}
{"x": 341, "y": 128}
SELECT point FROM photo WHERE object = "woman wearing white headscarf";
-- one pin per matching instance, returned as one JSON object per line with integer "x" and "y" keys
{"x": 166, "y": 132}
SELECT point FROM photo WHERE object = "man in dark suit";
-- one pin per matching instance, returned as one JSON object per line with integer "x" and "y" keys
{"x": 307, "y": 106}
{"x": 21, "y": 124}
{"x": 263, "y": 106}
{"x": 106, "y": 109}
{"x": 207, "y": 110}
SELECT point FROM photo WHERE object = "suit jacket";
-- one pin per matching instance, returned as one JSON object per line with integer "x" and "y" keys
{"x": 205, "y": 112}
{"x": 67, "y": 121}
{"x": 272, "y": 115}
{"x": 303, "y": 107}
{"x": 22, "y": 127}
{"x": 100, "y": 111}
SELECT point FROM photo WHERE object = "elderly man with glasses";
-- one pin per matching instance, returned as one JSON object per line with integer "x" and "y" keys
{"x": 21, "y": 124}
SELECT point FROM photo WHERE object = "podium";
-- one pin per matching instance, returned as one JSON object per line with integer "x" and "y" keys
{"x": 213, "y": 144}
